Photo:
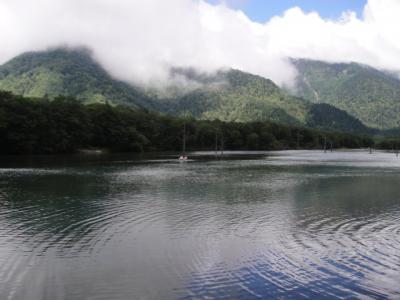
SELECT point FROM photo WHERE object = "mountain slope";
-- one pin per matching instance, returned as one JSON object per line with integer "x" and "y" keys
{"x": 228, "y": 95}
{"x": 69, "y": 73}
{"x": 234, "y": 95}
{"x": 327, "y": 116}
{"x": 370, "y": 95}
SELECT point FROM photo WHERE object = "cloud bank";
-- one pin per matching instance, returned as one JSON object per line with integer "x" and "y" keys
{"x": 138, "y": 41}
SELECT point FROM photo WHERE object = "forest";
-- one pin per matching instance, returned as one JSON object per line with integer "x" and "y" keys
{"x": 65, "y": 125}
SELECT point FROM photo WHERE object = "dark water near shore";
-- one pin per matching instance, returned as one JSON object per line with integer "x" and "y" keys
{"x": 289, "y": 225}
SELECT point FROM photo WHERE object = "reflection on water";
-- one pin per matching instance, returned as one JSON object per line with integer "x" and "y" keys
{"x": 300, "y": 225}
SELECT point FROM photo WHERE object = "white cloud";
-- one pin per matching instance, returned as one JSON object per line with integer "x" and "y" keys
{"x": 139, "y": 40}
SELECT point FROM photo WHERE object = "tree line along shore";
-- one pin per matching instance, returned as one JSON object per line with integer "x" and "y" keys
{"x": 65, "y": 125}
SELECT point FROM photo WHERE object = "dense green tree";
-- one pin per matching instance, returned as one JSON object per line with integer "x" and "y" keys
{"x": 65, "y": 125}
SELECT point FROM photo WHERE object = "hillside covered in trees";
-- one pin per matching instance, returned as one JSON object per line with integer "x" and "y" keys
{"x": 69, "y": 73}
{"x": 370, "y": 95}
{"x": 227, "y": 95}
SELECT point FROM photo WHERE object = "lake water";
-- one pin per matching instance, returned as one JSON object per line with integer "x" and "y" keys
{"x": 289, "y": 225}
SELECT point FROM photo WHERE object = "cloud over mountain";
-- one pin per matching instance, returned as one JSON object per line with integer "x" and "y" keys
{"x": 139, "y": 41}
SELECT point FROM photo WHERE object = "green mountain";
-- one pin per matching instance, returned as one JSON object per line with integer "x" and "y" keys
{"x": 370, "y": 95}
{"x": 237, "y": 96}
{"x": 234, "y": 95}
{"x": 228, "y": 95}
{"x": 69, "y": 73}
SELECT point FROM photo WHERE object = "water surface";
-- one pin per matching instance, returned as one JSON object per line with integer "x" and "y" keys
{"x": 292, "y": 225}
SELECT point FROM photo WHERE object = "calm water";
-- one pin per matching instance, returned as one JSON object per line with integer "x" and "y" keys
{"x": 288, "y": 225}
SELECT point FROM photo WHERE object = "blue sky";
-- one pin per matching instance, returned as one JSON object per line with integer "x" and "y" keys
{"x": 263, "y": 10}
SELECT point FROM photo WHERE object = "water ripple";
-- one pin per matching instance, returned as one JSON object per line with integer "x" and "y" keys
{"x": 266, "y": 228}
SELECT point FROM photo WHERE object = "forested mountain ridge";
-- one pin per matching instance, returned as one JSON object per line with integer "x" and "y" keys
{"x": 242, "y": 97}
{"x": 67, "y": 72}
{"x": 233, "y": 95}
{"x": 370, "y": 95}
{"x": 227, "y": 95}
